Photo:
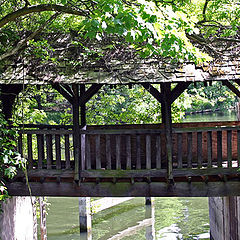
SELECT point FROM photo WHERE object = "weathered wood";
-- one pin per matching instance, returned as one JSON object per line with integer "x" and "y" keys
{"x": 231, "y": 87}
{"x": 209, "y": 148}
{"x": 178, "y": 90}
{"x": 138, "y": 149}
{"x": 108, "y": 152}
{"x": 49, "y": 151}
{"x": 199, "y": 149}
{"x": 179, "y": 150}
{"x": 85, "y": 214}
{"x": 229, "y": 148}
{"x": 88, "y": 153}
{"x": 58, "y": 151}
{"x": 30, "y": 151}
{"x": 76, "y": 130}
{"x": 153, "y": 91}
{"x": 166, "y": 104}
{"x": 84, "y": 98}
{"x": 158, "y": 152}
{"x": 63, "y": 92}
{"x": 148, "y": 151}
{"x": 98, "y": 152}
{"x": 128, "y": 152}
{"x": 108, "y": 189}
{"x": 238, "y": 147}
{"x": 189, "y": 150}
{"x": 40, "y": 148}
{"x": 20, "y": 144}
{"x": 118, "y": 151}
{"x": 219, "y": 148}
{"x": 67, "y": 151}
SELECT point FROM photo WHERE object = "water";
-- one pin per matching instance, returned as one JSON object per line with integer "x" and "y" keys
{"x": 171, "y": 218}
{"x": 174, "y": 218}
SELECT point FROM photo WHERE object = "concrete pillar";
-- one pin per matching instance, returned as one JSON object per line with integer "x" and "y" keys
{"x": 18, "y": 219}
{"x": 85, "y": 214}
{"x": 224, "y": 218}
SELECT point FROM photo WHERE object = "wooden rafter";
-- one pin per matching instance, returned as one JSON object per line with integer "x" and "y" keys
{"x": 232, "y": 87}
{"x": 178, "y": 90}
{"x": 63, "y": 92}
{"x": 155, "y": 93}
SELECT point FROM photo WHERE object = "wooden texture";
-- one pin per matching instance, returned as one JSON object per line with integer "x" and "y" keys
{"x": 58, "y": 150}
{"x": 238, "y": 147}
{"x": 49, "y": 151}
{"x": 189, "y": 150}
{"x": 138, "y": 147}
{"x": 209, "y": 148}
{"x": 108, "y": 152}
{"x": 128, "y": 152}
{"x": 199, "y": 149}
{"x": 98, "y": 150}
{"x": 148, "y": 151}
{"x": 219, "y": 148}
{"x": 158, "y": 152}
{"x": 40, "y": 148}
{"x": 179, "y": 150}
{"x": 30, "y": 151}
{"x": 67, "y": 151}
{"x": 229, "y": 148}
{"x": 118, "y": 151}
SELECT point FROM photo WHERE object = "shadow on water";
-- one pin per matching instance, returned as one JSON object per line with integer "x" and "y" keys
{"x": 167, "y": 218}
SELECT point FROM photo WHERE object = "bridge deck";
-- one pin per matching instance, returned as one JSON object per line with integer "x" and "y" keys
{"x": 130, "y": 160}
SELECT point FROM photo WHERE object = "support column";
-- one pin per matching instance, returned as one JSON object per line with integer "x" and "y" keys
{"x": 150, "y": 214}
{"x": 167, "y": 120}
{"x": 76, "y": 131}
{"x": 85, "y": 215}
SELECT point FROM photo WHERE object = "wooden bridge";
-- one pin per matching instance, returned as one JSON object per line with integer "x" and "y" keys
{"x": 130, "y": 160}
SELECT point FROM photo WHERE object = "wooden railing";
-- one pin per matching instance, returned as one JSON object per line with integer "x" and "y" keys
{"x": 51, "y": 147}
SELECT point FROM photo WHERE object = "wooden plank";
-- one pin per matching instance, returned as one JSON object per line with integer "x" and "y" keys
{"x": 67, "y": 151}
{"x": 108, "y": 152}
{"x": 98, "y": 152}
{"x": 49, "y": 151}
{"x": 158, "y": 152}
{"x": 179, "y": 150}
{"x": 153, "y": 91}
{"x": 83, "y": 151}
{"x": 148, "y": 151}
{"x": 84, "y": 98}
{"x": 219, "y": 148}
{"x": 40, "y": 148}
{"x": 30, "y": 151}
{"x": 209, "y": 148}
{"x": 238, "y": 147}
{"x": 178, "y": 90}
{"x": 128, "y": 152}
{"x": 138, "y": 149}
{"x": 20, "y": 144}
{"x": 58, "y": 151}
{"x": 118, "y": 150}
{"x": 88, "y": 153}
{"x": 199, "y": 149}
{"x": 189, "y": 150}
{"x": 229, "y": 148}
{"x": 123, "y": 189}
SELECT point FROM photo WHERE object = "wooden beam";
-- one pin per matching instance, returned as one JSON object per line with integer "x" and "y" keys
{"x": 63, "y": 92}
{"x": 83, "y": 106}
{"x": 178, "y": 90}
{"x": 89, "y": 93}
{"x": 123, "y": 189}
{"x": 76, "y": 131}
{"x": 153, "y": 91}
{"x": 231, "y": 87}
{"x": 166, "y": 105}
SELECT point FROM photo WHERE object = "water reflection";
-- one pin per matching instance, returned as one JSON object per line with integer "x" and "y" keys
{"x": 166, "y": 218}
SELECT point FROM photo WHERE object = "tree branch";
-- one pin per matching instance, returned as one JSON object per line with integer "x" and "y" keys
{"x": 41, "y": 8}
{"x": 23, "y": 42}
{"x": 204, "y": 11}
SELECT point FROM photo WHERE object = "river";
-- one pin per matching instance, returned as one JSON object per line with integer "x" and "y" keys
{"x": 172, "y": 218}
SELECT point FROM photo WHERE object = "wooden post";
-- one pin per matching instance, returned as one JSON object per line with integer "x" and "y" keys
{"x": 148, "y": 201}
{"x": 150, "y": 214}
{"x": 43, "y": 225}
{"x": 83, "y": 125}
{"x": 84, "y": 214}
{"x": 76, "y": 130}
{"x": 167, "y": 120}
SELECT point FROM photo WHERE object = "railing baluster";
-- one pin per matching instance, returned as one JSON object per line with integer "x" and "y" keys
{"x": 238, "y": 147}
{"x": 20, "y": 144}
{"x": 49, "y": 151}
{"x": 158, "y": 152}
{"x": 189, "y": 150}
{"x": 98, "y": 152}
{"x": 83, "y": 149}
{"x": 108, "y": 151}
{"x": 30, "y": 151}
{"x": 229, "y": 148}
{"x": 67, "y": 151}
{"x": 138, "y": 149}
{"x": 58, "y": 151}
{"x": 219, "y": 148}
{"x": 40, "y": 147}
{"x": 199, "y": 149}
{"x": 179, "y": 150}
{"x": 88, "y": 152}
{"x": 148, "y": 151}
{"x": 128, "y": 152}
{"x": 118, "y": 147}
{"x": 209, "y": 148}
